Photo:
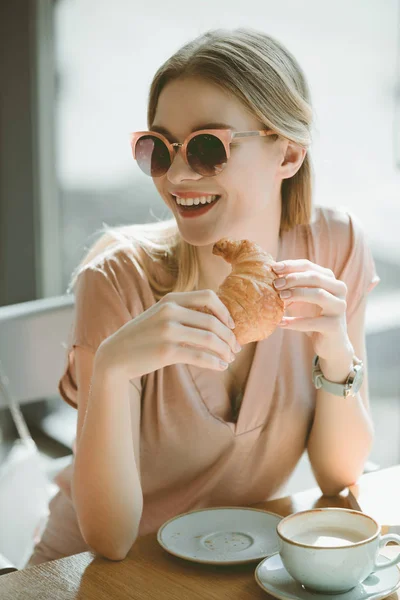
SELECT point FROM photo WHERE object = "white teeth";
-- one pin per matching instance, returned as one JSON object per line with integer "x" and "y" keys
{"x": 196, "y": 201}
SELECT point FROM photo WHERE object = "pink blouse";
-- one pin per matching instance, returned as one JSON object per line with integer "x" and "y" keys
{"x": 191, "y": 455}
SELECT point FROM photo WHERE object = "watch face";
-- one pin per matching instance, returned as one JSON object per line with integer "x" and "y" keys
{"x": 358, "y": 379}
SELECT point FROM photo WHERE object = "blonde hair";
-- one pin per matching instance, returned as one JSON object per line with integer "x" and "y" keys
{"x": 266, "y": 78}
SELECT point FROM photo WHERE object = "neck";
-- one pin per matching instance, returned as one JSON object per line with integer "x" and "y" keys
{"x": 213, "y": 269}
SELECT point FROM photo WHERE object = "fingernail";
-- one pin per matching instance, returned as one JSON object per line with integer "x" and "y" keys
{"x": 231, "y": 323}
{"x": 279, "y": 266}
{"x": 285, "y": 294}
{"x": 238, "y": 347}
{"x": 280, "y": 283}
{"x": 223, "y": 364}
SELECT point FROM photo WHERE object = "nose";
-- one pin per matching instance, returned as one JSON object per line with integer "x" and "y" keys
{"x": 180, "y": 170}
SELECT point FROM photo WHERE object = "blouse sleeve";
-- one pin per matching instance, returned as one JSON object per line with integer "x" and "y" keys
{"x": 355, "y": 264}
{"x": 102, "y": 306}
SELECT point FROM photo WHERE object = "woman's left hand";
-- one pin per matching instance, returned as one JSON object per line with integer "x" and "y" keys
{"x": 304, "y": 281}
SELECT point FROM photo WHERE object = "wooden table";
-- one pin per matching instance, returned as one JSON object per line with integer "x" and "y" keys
{"x": 150, "y": 573}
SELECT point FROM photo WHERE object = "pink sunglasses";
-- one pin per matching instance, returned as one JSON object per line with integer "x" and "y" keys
{"x": 206, "y": 151}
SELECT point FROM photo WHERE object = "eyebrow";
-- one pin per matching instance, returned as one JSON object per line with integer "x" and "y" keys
{"x": 164, "y": 130}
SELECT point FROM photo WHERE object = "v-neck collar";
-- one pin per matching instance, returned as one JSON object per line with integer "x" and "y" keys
{"x": 257, "y": 393}
{"x": 258, "y": 390}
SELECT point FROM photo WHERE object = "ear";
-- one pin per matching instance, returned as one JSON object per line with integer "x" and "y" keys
{"x": 292, "y": 160}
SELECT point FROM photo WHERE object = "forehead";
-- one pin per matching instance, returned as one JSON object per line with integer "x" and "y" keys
{"x": 185, "y": 105}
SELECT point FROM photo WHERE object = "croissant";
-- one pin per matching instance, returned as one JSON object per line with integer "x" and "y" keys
{"x": 247, "y": 291}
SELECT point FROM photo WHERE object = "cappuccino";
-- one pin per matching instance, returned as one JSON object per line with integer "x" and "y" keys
{"x": 329, "y": 537}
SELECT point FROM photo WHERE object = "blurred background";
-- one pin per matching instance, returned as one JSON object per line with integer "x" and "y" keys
{"x": 74, "y": 82}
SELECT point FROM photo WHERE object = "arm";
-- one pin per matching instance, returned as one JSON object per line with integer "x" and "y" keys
{"x": 342, "y": 433}
{"x": 106, "y": 488}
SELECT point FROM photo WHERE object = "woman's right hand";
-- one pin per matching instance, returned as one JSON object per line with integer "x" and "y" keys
{"x": 174, "y": 331}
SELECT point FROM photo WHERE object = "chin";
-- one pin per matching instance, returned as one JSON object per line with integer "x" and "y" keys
{"x": 202, "y": 236}
{"x": 198, "y": 239}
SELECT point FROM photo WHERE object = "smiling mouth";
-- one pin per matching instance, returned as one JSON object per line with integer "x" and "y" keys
{"x": 193, "y": 207}
{"x": 194, "y": 203}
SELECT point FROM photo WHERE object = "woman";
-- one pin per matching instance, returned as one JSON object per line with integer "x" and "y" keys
{"x": 172, "y": 414}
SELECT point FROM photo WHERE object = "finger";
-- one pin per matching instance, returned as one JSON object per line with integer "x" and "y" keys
{"x": 199, "y": 358}
{"x": 206, "y": 340}
{"x": 204, "y": 299}
{"x": 321, "y": 324}
{"x": 330, "y": 304}
{"x": 170, "y": 312}
{"x": 203, "y": 339}
{"x": 301, "y": 264}
{"x": 200, "y": 320}
{"x": 179, "y": 325}
{"x": 312, "y": 279}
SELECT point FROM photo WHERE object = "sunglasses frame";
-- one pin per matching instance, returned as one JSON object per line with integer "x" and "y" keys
{"x": 226, "y": 136}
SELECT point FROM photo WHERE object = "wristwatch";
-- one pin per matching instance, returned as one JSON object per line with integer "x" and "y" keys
{"x": 350, "y": 387}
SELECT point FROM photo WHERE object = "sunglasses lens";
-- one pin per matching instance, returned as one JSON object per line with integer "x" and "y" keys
{"x": 152, "y": 156}
{"x": 206, "y": 154}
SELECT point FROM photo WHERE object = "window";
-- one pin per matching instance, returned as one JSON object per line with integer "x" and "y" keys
{"x": 107, "y": 54}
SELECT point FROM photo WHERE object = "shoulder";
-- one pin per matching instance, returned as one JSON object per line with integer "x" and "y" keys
{"x": 335, "y": 235}
{"x": 112, "y": 260}
{"x": 341, "y": 224}
{"x": 133, "y": 260}
{"x": 329, "y": 220}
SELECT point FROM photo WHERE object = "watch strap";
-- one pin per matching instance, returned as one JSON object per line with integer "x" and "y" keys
{"x": 338, "y": 389}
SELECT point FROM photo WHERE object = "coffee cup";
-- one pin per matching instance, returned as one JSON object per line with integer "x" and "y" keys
{"x": 332, "y": 549}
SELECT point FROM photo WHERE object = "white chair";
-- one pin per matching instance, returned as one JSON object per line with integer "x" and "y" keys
{"x": 32, "y": 345}
{"x": 33, "y": 338}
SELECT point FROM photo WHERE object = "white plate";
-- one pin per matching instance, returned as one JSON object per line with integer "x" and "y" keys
{"x": 227, "y": 536}
{"x": 273, "y": 578}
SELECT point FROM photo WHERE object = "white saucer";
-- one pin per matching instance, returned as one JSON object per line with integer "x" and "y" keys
{"x": 273, "y": 578}
{"x": 227, "y": 536}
